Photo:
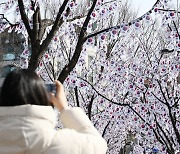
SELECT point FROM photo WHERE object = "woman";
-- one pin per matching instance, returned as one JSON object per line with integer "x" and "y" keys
{"x": 27, "y": 121}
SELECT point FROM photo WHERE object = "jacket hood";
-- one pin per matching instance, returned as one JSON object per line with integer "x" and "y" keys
{"x": 36, "y": 111}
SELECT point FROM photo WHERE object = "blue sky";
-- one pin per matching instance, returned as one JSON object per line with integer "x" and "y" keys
{"x": 145, "y": 5}
{"x": 142, "y": 5}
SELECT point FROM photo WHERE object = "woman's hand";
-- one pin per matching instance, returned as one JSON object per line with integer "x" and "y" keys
{"x": 59, "y": 100}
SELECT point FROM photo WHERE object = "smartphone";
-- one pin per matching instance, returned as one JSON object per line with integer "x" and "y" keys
{"x": 51, "y": 87}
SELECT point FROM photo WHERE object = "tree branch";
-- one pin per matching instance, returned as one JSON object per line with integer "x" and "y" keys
{"x": 176, "y": 29}
{"x": 3, "y": 17}
{"x": 170, "y": 114}
{"x": 117, "y": 27}
{"x": 57, "y": 24}
{"x": 76, "y": 17}
{"x": 25, "y": 18}
{"x": 169, "y": 10}
{"x": 158, "y": 98}
{"x": 104, "y": 131}
{"x": 90, "y": 106}
{"x": 36, "y": 25}
{"x": 101, "y": 94}
{"x": 68, "y": 68}
{"x": 165, "y": 135}
{"x": 76, "y": 95}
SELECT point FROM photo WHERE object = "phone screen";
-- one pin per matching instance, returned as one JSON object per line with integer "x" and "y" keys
{"x": 51, "y": 87}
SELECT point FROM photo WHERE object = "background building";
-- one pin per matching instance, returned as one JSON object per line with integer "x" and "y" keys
{"x": 11, "y": 46}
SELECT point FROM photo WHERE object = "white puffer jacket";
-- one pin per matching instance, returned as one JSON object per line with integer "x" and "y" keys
{"x": 29, "y": 129}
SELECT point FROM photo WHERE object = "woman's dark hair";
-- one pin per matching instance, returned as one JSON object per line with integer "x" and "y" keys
{"x": 21, "y": 87}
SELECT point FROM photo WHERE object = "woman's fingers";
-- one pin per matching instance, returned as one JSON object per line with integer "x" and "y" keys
{"x": 59, "y": 87}
{"x": 59, "y": 100}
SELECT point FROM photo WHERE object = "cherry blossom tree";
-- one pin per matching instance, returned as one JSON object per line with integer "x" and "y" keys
{"x": 131, "y": 85}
